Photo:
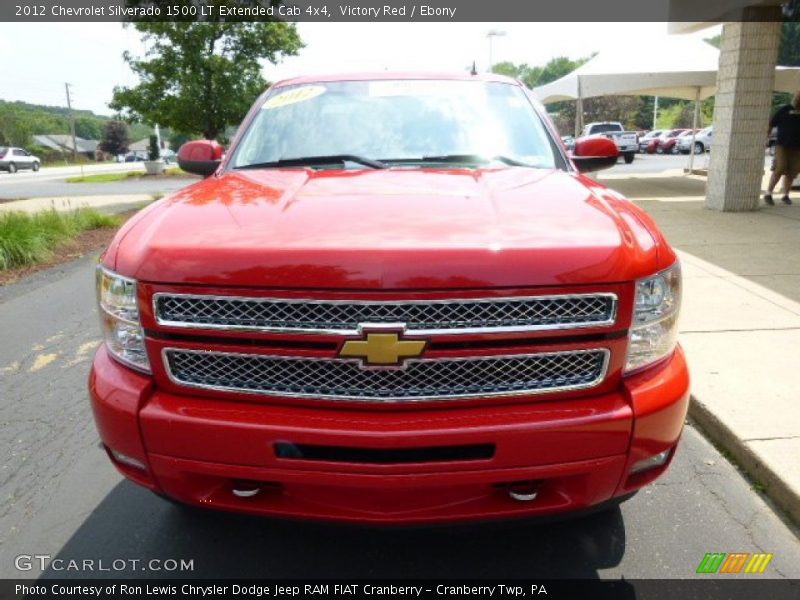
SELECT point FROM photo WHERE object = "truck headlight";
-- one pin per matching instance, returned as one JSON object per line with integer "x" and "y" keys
{"x": 119, "y": 319}
{"x": 654, "y": 330}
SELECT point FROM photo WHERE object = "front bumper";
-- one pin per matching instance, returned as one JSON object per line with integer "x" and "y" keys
{"x": 574, "y": 453}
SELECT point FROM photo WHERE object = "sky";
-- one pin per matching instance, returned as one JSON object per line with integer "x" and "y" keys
{"x": 89, "y": 55}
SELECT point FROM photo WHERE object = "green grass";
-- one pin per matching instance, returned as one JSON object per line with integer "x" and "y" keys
{"x": 108, "y": 177}
{"x": 26, "y": 239}
{"x": 103, "y": 177}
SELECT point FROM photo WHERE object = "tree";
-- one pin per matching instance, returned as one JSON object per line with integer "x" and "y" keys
{"x": 200, "y": 77}
{"x": 554, "y": 69}
{"x": 115, "y": 138}
{"x": 789, "y": 52}
{"x": 15, "y": 128}
{"x": 88, "y": 128}
{"x": 176, "y": 140}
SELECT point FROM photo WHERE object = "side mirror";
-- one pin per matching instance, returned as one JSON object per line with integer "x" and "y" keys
{"x": 594, "y": 152}
{"x": 201, "y": 157}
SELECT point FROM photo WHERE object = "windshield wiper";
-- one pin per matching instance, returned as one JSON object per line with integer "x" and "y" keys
{"x": 313, "y": 161}
{"x": 467, "y": 158}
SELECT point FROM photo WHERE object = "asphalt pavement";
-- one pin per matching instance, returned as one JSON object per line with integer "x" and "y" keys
{"x": 62, "y": 498}
{"x": 51, "y": 182}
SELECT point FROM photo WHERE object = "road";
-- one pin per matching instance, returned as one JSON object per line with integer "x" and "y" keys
{"x": 654, "y": 163}
{"x": 51, "y": 182}
{"x": 61, "y": 496}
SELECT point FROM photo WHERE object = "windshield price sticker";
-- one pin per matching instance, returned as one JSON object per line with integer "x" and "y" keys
{"x": 294, "y": 96}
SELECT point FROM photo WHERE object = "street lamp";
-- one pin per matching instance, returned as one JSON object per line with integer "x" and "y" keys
{"x": 493, "y": 33}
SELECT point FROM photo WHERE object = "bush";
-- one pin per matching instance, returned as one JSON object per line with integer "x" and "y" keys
{"x": 153, "y": 151}
{"x": 47, "y": 155}
{"x": 30, "y": 238}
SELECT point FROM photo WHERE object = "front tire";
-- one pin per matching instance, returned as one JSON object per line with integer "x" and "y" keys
{"x": 35, "y": 167}
{"x": 698, "y": 148}
{"x": 659, "y": 150}
{"x": 12, "y": 168}
{"x": 629, "y": 156}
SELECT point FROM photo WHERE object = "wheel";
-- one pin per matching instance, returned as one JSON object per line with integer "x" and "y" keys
{"x": 698, "y": 148}
{"x": 629, "y": 156}
{"x": 12, "y": 168}
{"x": 659, "y": 149}
{"x": 674, "y": 149}
{"x": 35, "y": 166}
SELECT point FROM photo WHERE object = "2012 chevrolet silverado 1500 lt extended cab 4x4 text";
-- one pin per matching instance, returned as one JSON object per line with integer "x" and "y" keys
{"x": 394, "y": 299}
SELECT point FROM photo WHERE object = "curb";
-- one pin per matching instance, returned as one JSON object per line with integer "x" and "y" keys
{"x": 775, "y": 488}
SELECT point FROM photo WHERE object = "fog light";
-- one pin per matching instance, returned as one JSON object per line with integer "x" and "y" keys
{"x": 652, "y": 462}
{"x": 126, "y": 460}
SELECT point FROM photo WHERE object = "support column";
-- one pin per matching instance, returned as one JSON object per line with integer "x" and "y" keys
{"x": 745, "y": 81}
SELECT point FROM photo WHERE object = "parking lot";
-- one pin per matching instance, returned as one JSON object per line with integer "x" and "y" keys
{"x": 63, "y": 499}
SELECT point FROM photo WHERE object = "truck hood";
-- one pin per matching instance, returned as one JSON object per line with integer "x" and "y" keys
{"x": 397, "y": 228}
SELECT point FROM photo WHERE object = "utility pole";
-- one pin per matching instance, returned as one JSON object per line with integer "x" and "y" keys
{"x": 71, "y": 125}
{"x": 493, "y": 33}
{"x": 655, "y": 113}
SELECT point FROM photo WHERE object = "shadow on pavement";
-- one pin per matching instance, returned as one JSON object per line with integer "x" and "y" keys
{"x": 131, "y": 523}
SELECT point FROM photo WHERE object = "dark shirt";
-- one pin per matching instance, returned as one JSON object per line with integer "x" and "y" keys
{"x": 787, "y": 120}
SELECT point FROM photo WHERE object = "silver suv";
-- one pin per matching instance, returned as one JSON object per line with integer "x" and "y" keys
{"x": 14, "y": 159}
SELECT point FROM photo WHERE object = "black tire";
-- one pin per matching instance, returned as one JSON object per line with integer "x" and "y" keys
{"x": 674, "y": 149}
{"x": 698, "y": 148}
{"x": 12, "y": 168}
{"x": 659, "y": 149}
{"x": 629, "y": 156}
{"x": 35, "y": 166}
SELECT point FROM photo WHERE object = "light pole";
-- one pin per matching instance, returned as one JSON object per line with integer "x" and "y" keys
{"x": 655, "y": 113}
{"x": 493, "y": 33}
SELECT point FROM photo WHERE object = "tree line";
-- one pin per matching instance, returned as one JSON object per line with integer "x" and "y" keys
{"x": 636, "y": 112}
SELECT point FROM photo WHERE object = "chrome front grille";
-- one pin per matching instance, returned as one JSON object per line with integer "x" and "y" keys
{"x": 420, "y": 379}
{"x": 423, "y": 317}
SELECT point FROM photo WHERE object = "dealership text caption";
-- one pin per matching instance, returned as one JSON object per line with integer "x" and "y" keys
{"x": 257, "y": 12}
{"x": 275, "y": 590}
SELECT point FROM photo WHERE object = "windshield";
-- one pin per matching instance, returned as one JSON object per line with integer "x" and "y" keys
{"x": 391, "y": 122}
{"x": 606, "y": 128}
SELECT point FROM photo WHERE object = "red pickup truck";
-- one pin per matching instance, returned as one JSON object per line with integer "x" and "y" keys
{"x": 394, "y": 299}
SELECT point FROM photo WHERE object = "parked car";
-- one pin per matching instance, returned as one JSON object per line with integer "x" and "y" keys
{"x": 626, "y": 141}
{"x": 671, "y": 145}
{"x": 667, "y": 140}
{"x": 400, "y": 326}
{"x": 15, "y": 159}
{"x": 702, "y": 141}
{"x": 647, "y": 139}
{"x": 169, "y": 156}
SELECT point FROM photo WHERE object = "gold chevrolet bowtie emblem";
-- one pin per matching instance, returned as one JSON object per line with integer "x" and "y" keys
{"x": 382, "y": 349}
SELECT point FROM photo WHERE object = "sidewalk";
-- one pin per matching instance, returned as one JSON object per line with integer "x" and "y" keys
{"x": 104, "y": 203}
{"x": 740, "y": 324}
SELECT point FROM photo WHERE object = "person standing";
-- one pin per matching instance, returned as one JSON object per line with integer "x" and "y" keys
{"x": 787, "y": 149}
